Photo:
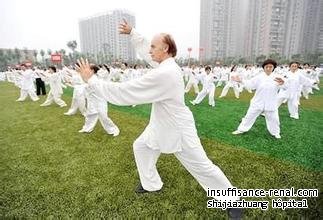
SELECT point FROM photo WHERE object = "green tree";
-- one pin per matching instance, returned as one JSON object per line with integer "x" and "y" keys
{"x": 275, "y": 56}
{"x": 16, "y": 56}
{"x": 260, "y": 59}
{"x": 64, "y": 57}
{"x": 42, "y": 54}
{"x": 35, "y": 53}
{"x": 242, "y": 60}
{"x": 25, "y": 50}
{"x": 11, "y": 56}
{"x": 72, "y": 45}
{"x": 297, "y": 57}
{"x": 49, "y": 52}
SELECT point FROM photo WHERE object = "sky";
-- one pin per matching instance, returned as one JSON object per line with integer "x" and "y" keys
{"x": 45, "y": 24}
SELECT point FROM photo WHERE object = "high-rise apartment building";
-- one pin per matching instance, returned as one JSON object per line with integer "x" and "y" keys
{"x": 99, "y": 35}
{"x": 249, "y": 28}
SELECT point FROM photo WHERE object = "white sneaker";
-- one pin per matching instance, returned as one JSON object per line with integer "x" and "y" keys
{"x": 277, "y": 136}
{"x": 116, "y": 132}
{"x": 237, "y": 132}
{"x": 62, "y": 105}
{"x": 192, "y": 102}
{"x": 294, "y": 116}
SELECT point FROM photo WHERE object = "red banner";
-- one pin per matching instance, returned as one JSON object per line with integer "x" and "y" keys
{"x": 56, "y": 58}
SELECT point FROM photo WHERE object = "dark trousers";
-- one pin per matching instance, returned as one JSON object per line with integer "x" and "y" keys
{"x": 40, "y": 86}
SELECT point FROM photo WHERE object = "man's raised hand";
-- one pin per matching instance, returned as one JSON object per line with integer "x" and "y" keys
{"x": 83, "y": 68}
{"x": 124, "y": 27}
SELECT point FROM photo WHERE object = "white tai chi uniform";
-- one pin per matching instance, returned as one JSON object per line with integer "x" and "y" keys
{"x": 208, "y": 89}
{"x": 78, "y": 100}
{"x": 294, "y": 83}
{"x": 171, "y": 128}
{"x": 27, "y": 86}
{"x": 193, "y": 81}
{"x": 264, "y": 100}
{"x": 56, "y": 90}
{"x": 97, "y": 109}
{"x": 231, "y": 84}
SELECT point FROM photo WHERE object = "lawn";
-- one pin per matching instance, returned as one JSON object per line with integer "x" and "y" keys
{"x": 49, "y": 170}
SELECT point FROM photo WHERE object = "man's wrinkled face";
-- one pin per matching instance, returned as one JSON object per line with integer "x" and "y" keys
{"x": 158, "y": 49}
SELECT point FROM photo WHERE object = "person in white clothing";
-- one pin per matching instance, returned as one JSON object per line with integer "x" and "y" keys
{"x": 27, "y": 86}
{"x": 73, "y": 79}
{"x": 231, "y": 84}
{"x": 56, "y": 90}
{"x": 264, "y": 101}
{"x": 208, "y": 88}
{"x": 171, "y": 128}
{"x": 97, "y": 109}
{"x": 192, "y": 81}
{"x": 295, "y": 80}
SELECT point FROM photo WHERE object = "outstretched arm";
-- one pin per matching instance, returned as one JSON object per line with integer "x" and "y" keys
{"x": 150, "y": 88}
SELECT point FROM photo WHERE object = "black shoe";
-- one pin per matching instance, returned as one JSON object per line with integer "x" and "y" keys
{"x": 140, "y": 189}
{"x": 234, "y": 213}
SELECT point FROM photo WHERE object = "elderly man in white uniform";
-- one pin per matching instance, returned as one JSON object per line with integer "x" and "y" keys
{"x": 171, "y": 128}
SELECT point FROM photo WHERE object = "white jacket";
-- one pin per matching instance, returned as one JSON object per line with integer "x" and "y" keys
{"x": 171, "y": 122}
{"x": 266, "y": 95}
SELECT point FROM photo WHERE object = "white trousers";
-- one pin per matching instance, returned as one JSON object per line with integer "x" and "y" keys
{"x": 106, "y": 122}
{"x": 292, "y": 104}
{"x": 24, "y": 93}
{"x": 77, "y": 103}
{"x": 194, "y": 160}
{"x": 220, "y": 82}
{"x": 53, "y": 98}
{"x": 272, "y": 120}
{"x": 189, "y": 86}
{"x": 204, "y": 92}
{"x": 226, "y": 89}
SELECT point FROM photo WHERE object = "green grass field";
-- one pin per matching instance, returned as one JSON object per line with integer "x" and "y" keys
{"x": 49, "y": 170}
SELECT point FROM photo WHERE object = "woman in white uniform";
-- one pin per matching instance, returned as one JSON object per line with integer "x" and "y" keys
{"x": 208, "y": 88}
{"x": 55, "y": 83}
{"x": 231, "y": 84}
{"x": 265, "y": 99}
{"x": 74, "y": 80}
{"x": 27, "y": 86}
{"x": 97, "y": 109}
{"x": 295, "y": 80}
